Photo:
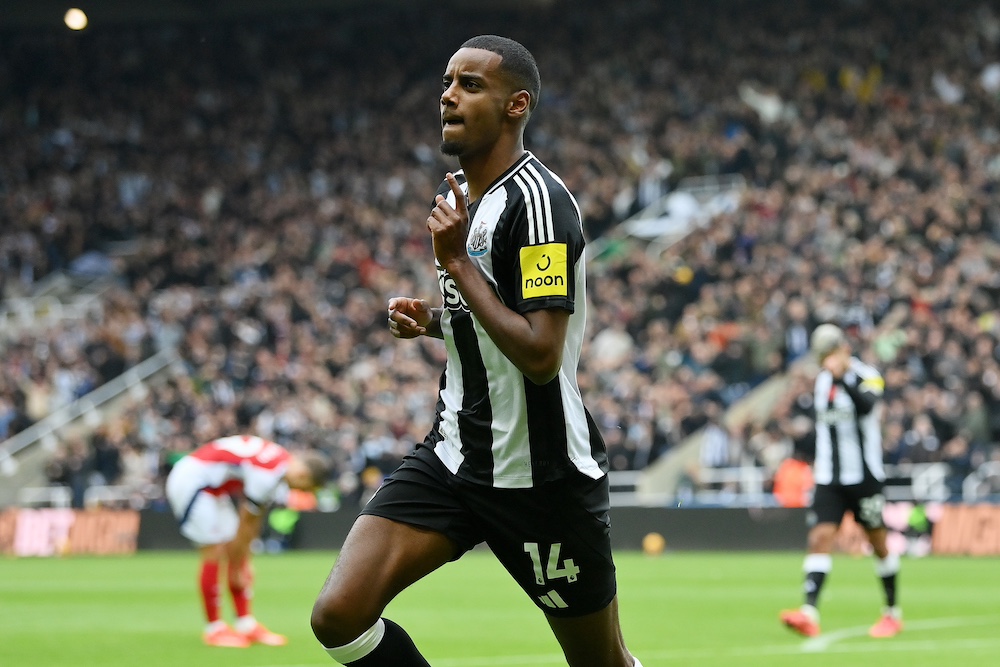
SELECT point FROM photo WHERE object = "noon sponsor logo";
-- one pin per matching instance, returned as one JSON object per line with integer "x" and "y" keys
{"x": 543, "y": 270}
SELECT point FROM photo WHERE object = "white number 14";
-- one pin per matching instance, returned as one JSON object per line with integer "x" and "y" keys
{"x": 568, "y": 569}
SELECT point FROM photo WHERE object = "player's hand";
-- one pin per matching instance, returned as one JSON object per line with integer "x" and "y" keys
{"x": 408, "y": 318}
{"x": 449, "y": 227}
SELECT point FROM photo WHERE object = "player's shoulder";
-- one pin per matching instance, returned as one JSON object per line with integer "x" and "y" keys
{"x": 530, "y": 170}
{"x": 543, "y": 194}
{"x": 869, "y": 379}
{"x": 824, "y": 378}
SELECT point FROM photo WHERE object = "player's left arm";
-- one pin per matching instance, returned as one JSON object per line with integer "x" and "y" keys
{"x": 533, "y": 341}
{"x": 864, "y": 385}
{"x": 251, "y": 515}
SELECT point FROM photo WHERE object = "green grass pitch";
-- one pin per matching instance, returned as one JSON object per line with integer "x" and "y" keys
{"x": 703, "y": 609}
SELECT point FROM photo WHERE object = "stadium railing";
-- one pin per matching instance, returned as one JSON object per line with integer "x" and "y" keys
{"x": 98, "y": 495}
{"x": 44, "y": 496}
{"x": 59, "y": 298}
{"x": 982, "y": 484}
{"x": 738, "y": 486}
{"x": 623, "y": 488}
{"x": 46, "y": 432}
{"x": 747, "y": 486}
{"x": 677, "y": 213}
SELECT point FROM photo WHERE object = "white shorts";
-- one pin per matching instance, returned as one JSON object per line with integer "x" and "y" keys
{"x": 204, "y": 518}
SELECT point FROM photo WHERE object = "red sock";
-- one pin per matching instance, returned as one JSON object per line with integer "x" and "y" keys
{"x": 210, "y": 589}
{"x": 242, "y": 592}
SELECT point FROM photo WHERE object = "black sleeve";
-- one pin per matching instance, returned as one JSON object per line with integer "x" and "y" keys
{"x": 864, "y": 401}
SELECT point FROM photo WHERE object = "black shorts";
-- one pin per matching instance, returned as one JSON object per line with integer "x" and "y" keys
{"x": 555, "y": 539}
{"x": 866, "y": 502}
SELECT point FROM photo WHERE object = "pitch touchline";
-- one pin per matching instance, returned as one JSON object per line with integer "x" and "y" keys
{"x": 811, "y": 645}
{"x": 895, "y": 646}
{"x": 824, "y": 641}
{"x": 554, "y": 659}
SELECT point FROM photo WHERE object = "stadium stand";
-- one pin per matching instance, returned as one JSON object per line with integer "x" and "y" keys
{"x": 253, "y": 190}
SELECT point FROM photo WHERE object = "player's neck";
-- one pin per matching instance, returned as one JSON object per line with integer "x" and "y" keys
{"x": 482, "y": 170}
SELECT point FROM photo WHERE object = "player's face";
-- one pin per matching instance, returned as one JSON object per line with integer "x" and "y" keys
{"x": 837, "y": 361}
{"x": 473, "y": 102}
{"x": 298, "y": 477}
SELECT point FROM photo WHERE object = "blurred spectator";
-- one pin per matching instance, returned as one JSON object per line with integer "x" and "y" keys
{"x": 71, "y": 467}
{"x": 793, "y": 481}
{"x": 214, "y": 170}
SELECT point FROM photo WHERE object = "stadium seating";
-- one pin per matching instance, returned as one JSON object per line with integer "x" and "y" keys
{"x": 254, "y": 188}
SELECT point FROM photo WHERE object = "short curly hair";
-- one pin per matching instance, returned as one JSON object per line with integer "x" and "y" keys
{"x": 517, "y": 63}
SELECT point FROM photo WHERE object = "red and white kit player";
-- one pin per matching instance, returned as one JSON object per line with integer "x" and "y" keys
{"x": 219, "y": 494}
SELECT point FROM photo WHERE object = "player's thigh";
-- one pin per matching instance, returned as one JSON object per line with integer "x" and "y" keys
{"x": 410, "y": 527}
{"x": 829, "y": 504}
{"x": 380, "y": 558}
{"x": 594, "y": 640}
{"x": 868, "y": 506}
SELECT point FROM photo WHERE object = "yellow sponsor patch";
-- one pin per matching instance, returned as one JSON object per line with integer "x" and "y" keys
{"x": 543, "y": 270}
{"x": 873, "y": 385}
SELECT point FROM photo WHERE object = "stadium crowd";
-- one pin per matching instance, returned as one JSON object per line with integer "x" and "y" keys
{"x": 271, "y": 178}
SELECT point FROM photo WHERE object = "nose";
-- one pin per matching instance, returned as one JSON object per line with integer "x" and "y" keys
{"x": 448, "y": 96}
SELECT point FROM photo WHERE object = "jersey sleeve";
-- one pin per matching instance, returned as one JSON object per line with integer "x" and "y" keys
{"x": 549, "y": 243}
{"x": 264, "y": 474}
{"x": 864, "y": 385}
{"x": 261, "y": 486}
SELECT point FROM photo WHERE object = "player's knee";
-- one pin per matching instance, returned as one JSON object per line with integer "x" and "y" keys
{"x": 821, "y": 538}
{"x": 337, "y": 621}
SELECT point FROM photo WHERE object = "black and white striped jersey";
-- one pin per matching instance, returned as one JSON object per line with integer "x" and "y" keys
{"x": 848, "y": 426}
{"x": 493, "y": 425}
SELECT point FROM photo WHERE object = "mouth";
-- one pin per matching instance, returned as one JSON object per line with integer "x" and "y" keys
{"x": 451, "y": 121}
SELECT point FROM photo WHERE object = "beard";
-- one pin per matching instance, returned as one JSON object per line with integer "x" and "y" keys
{"x": 452, "y": 148}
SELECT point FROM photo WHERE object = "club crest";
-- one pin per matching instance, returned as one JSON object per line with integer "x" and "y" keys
{"x": 479, "y": 240}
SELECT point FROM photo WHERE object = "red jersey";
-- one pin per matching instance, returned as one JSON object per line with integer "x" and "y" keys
{"x": 241, "y": 465}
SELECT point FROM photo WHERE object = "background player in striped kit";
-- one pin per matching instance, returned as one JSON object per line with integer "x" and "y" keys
{"x": 513, "y": 459}
{"x": 849, "y": 476}
{"x": 219, "y": 493}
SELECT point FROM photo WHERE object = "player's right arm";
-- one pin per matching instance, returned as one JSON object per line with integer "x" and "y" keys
{"x": 532, "y": 341}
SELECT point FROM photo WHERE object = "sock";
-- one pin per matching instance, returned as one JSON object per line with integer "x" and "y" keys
{"x": 245, "y": 624}
{"x": 241, "y": 593}
{"x": 636, "y": 662}
{"x": 385, "y": 644}
{"x": 887, "y": 568}
{"x": 214, "y": 626}
{"x": 816, "y": 567}
{"x": 210, "y": 589}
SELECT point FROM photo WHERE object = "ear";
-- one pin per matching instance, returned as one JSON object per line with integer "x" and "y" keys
{"x": 518, "y": 104}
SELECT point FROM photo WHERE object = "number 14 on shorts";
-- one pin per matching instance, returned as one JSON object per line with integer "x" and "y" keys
{"x": 554, "y": 569}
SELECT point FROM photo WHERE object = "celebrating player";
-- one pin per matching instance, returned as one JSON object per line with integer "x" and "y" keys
{"x": 513, "y": 459}
{"x": 204, "y": 490}
{"x": 849, "y": 476}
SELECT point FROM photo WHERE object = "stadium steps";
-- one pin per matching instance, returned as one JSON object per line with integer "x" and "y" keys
{"x": 24, "y": 456}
